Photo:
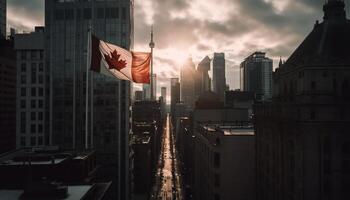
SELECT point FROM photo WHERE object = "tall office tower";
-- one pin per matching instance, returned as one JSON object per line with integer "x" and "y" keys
{"x": 32, "y": 90}
{"x": 188, "y": 83}
{"x": 2, "y": 19}
{"x": 256, "y": 75}
{"x": 303, "y": 140}
{"x": 147, "y": 89}
{"x": 217, "y": 74}
{"x": 67, "y": 23}
{"x": 204, "y": 80}
{"x": 163, "y": 94}
{"x": 175, "y": 94}
{"x": 7, "y": 96}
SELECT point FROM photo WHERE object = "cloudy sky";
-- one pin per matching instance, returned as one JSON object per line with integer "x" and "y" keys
{"x": 198, "y": 28}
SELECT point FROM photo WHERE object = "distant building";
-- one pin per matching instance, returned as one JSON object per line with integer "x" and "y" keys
{"x": 175, "y": 94}
{"x": 240, "y": 100}
{"x": 163, "y": 94}
{"x": 256, "y": 75}
{"x": 187, "y": 82}
{"x": 224, "y": 162}
{"x": 303, "y": 140}
{"x": 2, "y": 19}
{"x": 32, "y": 90}
{"x": 138, "y": 95}
{"x": 7, "y": 96}
{"x": 217, "y": 74}
{"x": 66, "y": 33}
{"x": 204, "y": 83}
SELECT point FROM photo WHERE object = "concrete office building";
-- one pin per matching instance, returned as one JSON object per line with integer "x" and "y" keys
{"x": 187, "y": 83}
{"x": 7, "y": 96}
{"x": 217, "y": 74}
{"x": 256, "y": 75}
{"x": 2, "y": 19}
{"x": 175, "y": 94}
{"x": 203, "y": 83}
{"x": 163, "y": 94}
{"x": 67, "y": 23}
{"x": 224, "y": 162}
{"x": 32, "y": 90}
{"x": 303, "y": 141}
{"x": 147, "y": 89}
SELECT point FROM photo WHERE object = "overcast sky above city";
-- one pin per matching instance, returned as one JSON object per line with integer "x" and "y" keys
{"x": 200, "y": 27}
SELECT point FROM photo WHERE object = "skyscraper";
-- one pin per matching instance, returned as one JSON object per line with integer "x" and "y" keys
{"x": 7, "y": 96}
{"x": 256, "y": 75}
{"x": 163, "y": 94}
{"x": 2, "y": 19}
{"x": 32, "y": 90}
{"x": 188, "y": 83}
{"x": 67, "y": 25}
{"x": 204, "y": 80}
{"x": 303, "y": 140}
{"x": 217, "y": 74}
{"x": 175, "y": 94}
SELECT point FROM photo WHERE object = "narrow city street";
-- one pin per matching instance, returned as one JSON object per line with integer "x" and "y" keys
{"x": 168, "y": 178}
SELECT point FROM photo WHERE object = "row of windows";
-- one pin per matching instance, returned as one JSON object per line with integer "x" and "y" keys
{"x": 33, "y": 116}
{"x": 86, "y": 13}
{"x": 33, "y": 104}
{"x": 33, "y": 128}
{"x": 33, "y": 92}
{"x": 33, "y": 67}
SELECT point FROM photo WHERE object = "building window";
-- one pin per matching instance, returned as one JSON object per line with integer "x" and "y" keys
{"x": 69, "y": 14}
{"x": 33, "y": 116}
{"x": 41, "y": 79}
{"x": 33, "y": 128}
{"x": 24, "y": 55}
{"x": 33, "y": 75}
{"x": 40, "y": 128}
{"x": 23, "y": 79}
{"x": 32, "y": 141}
{"x": 33, "y": 92}
{"x": 216, "y": 159}
{"x": 41, "y": 67}
{"x": 23, "y": 141}
{"x": 32, "y": 104}
{"x": 23, "y": 67}
{"x": 41, "y": 92}
{"x": 40, "y": 103}
{"x": 124, "y": 13}
{"x": 23, "y": 92}
{"x": 59, "y": 14}
{"x": 23, "y": 103}
{"x": 40, "y": 116}
{"x": 41, "y": 54}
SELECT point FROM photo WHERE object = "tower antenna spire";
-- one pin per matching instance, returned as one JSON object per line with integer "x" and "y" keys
{"x": 151, "y": 45}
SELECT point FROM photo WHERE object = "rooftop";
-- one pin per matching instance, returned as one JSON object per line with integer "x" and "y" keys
{"x": 229, "y": 130}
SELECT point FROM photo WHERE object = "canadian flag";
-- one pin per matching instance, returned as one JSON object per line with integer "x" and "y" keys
{"x": 111, "y": 60}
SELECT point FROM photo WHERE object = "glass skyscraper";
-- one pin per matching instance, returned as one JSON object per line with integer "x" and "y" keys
{"x": 67, "y": 23}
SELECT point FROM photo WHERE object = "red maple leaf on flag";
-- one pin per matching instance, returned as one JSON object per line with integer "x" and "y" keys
{"x": 114, "y": 61}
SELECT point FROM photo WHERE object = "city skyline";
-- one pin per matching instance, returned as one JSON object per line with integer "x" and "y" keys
{"x": 274, "y": 26}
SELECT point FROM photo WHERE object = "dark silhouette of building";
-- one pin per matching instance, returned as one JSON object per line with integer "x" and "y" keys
{"x": 187, "y": 83}
{"x": 175, "y": 94}
{"x": 217, "y": 74}
{"x": 303, "y": 145}
{"x": 67, "y": 24}
{"x": 2, "y": 19}
{"x": 147, "y": 127}
{"x": 48, "y": 173}
{"x": 256, "y": 75}
{"x": 7, "y": 96}
{"x": 138, "y": 95}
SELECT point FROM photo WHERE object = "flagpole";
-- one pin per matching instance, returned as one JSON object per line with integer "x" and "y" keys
{"x": 151, "y": 45}
{"x": 87, "y": 91}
